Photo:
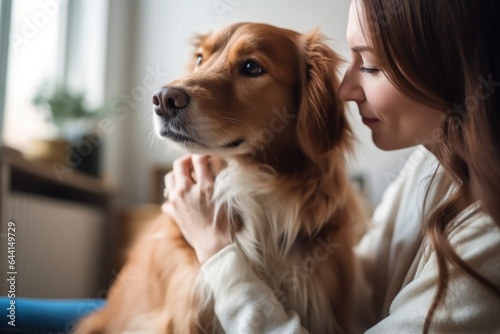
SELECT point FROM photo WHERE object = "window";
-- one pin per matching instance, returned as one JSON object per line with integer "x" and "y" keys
{"x": 5, "y": 10}
{"x": 51, "y": 41}
{"x": 34, "y": 57}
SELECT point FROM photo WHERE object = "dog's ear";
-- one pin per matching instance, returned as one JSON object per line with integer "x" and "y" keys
{"x": 197, "y": 41}
{"x": 321, "y": 120}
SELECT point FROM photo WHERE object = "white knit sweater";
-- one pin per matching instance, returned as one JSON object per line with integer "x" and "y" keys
{"x": 396, "y": 269}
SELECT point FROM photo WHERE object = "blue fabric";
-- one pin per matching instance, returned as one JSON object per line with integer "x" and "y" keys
{"x": 45, "y": 315}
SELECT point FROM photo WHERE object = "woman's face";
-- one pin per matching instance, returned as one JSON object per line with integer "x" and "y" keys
{"x": 396, "y": 121}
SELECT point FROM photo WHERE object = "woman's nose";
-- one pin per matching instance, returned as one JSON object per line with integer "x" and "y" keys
{"x": 350, "y": 88}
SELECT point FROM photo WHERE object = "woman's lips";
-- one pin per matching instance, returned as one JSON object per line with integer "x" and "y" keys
{"x": 369, "y": 121}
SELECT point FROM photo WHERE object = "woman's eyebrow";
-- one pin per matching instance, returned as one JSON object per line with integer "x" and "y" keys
{"x": 362, "y": 48}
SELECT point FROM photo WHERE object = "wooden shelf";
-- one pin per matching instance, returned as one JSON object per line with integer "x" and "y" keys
{"x": 48, "y": 173}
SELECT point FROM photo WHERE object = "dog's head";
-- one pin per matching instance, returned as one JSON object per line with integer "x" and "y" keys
{"x": 256, "y": 91}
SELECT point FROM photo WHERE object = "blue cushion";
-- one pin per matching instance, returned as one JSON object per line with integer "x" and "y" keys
{"x": 31, "y": 315}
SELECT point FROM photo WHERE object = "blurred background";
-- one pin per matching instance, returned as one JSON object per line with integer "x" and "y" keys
{"x": 81, "y": 170}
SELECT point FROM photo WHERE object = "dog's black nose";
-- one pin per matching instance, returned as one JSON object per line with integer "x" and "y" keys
{"x": 169, "y": 100}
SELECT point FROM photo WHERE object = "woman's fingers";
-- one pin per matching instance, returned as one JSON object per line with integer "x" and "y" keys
{"x": 190, "y": 187}
{"x": 190, "y": 181}
{"x": 169, "y": 184}
{"x": 201, "y": 167}
{"x": 203, "y": 175}
{"x": 183, "y": 181}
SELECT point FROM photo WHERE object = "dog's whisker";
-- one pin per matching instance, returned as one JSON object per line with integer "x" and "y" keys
{"x": 261, "y": 144}
{"x": 215, "y": 131}
{"x": 241, "y": 122}
{"x": 144, "y": 117}
{"x": 151, "y": 137}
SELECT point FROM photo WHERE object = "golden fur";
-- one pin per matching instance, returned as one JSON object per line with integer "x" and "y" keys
{"x": 284, "y": 185}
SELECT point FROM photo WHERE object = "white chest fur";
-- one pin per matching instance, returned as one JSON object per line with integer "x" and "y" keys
{"x": 270, "y": 225}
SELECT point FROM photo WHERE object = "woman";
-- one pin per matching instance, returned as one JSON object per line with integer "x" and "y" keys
{"x": 422, "y": 72}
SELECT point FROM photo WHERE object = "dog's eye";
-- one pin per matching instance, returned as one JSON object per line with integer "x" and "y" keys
{"x": 251, "y": 68}
{"x": 199, "y": 59}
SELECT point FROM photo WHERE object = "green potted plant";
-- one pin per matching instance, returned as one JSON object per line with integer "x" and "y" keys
{"x": 73, "y": 120}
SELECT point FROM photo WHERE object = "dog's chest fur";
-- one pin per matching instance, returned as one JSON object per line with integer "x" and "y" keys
{"x": 300, "y": 274}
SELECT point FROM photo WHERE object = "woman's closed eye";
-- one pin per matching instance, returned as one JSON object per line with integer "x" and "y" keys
{"x": 369, "y": 70}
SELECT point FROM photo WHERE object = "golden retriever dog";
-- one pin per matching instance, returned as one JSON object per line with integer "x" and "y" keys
{"x": 263, "y": 101}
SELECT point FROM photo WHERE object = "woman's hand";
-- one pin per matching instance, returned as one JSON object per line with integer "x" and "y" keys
{"x": 188, "y": 192}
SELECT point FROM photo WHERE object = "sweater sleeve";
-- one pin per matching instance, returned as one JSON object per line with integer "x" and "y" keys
{"x": 243, "y": 302}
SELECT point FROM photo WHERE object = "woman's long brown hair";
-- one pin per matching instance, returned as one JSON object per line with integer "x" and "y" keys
{"x": 446, "y": 54}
